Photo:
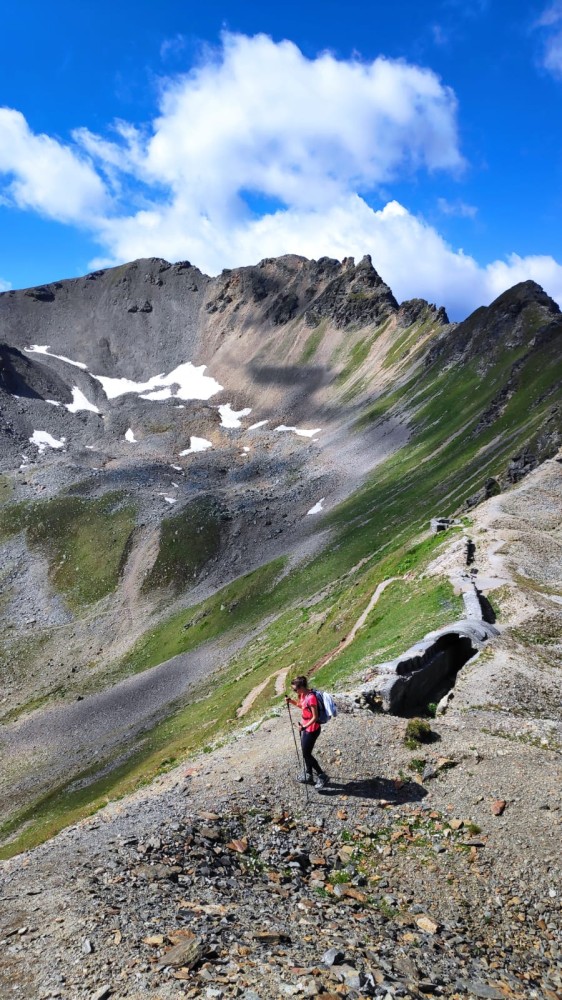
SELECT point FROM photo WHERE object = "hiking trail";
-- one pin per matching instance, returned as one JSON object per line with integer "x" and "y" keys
{"x": 281, "y": 675}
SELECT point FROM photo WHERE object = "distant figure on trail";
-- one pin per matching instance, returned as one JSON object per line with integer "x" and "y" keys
{"x": 310, "y": 729}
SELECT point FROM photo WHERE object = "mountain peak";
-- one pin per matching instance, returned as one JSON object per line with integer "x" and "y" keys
{"x": 523, "y": 293}
{"x": 514, "y": 318}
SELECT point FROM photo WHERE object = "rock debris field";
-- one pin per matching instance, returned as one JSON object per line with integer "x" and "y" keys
{"x": 221, "y": 880}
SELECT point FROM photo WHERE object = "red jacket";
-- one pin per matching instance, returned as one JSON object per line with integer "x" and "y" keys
{"x": 307, "y": 702}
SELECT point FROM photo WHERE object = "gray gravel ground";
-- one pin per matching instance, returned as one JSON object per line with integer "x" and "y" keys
{"x": 443, "y": 897}
{"x": 43, "y": 748}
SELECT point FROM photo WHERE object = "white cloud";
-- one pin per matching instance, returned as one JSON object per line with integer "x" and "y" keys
{"x": 172, "y": 47}
{"x": 259, "y": 151}
{"x": 457, "y": 208}
{"x": 311, "y": 135}
{"x": 439, "y": 34}
{"x": 552, "y": 60}
{"x": 46, "y": 176}
{"x": 551, "y": 21}
{"x": 260, "y": 117}
{"x": 540, "y": 268}
{"x": 411, "y": 256}
{"x": 5, "y": 285}
{"x": 550, "y": 15}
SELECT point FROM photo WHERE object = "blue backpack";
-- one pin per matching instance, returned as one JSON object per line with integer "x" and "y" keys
{"x": 326, "y": 706}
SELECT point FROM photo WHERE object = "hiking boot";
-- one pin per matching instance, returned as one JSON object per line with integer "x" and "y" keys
{"x": 305, "y": 779}
{"x": 321, "y": 780}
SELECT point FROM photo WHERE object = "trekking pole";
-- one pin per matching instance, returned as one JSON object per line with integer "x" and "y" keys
{"x": 297, "y": 749}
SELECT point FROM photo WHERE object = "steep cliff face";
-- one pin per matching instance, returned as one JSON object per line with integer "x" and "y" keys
{"x": 124, "y": 316}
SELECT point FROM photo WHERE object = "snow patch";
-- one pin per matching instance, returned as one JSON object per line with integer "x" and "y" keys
{"x": 43, "y": 439}
{"x": 170, "y": 499}
{"x": 79, "y": 402}
{"x": 230, "y": 417}
{"x": 178, "y": 468}
{"x": 196, "y": 444}
{"x": 260, "y": 423}
{"x": 53, "y": 402}
{"x": 299, "y": 430}
{"x": 317, "y": 507}
{"x": 44, "y": 349}
{"x": 187, "y": 380}
{"x": 129, "y": 436}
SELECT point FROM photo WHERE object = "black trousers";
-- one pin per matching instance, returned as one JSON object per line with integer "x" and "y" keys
{"x": 307, "y": 745}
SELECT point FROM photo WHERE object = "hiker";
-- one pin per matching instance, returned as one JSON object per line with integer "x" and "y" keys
{"x": 309, "y": 729}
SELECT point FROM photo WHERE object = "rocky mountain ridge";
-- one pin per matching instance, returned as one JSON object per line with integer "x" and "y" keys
{"x": 175, "y": 299}
{"x": 230, "y": 324}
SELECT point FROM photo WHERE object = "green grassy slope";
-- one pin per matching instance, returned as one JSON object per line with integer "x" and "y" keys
{"x": 85, "y": 541}
{"x": 187, "y": 542}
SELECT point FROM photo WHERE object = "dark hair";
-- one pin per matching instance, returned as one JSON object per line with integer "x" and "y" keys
{"x": 299, "y": 682}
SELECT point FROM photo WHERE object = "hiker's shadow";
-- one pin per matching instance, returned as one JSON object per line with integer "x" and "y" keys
{"x": 385, "y": 789}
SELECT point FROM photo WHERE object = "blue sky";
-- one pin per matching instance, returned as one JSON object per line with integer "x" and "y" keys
{"x": 427, "y": 134}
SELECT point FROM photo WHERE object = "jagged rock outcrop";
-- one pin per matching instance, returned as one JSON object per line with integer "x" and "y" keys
{"x": 149, "y": 317}
{"x": 82, "y": 312}
{"x": 413, "y": 310}
{"x": 356, "y": 295}
{"x": 514, "y": 319}
{"x": 23, "y": 376}
{"x": 344, "y": 293}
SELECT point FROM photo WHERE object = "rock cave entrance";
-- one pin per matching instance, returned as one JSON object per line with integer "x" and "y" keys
{"x": 423, "y": 680}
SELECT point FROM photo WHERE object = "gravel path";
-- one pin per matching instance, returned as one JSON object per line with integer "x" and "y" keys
{"x": 281, "y": 675}
{"x": 328, "y": 657}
